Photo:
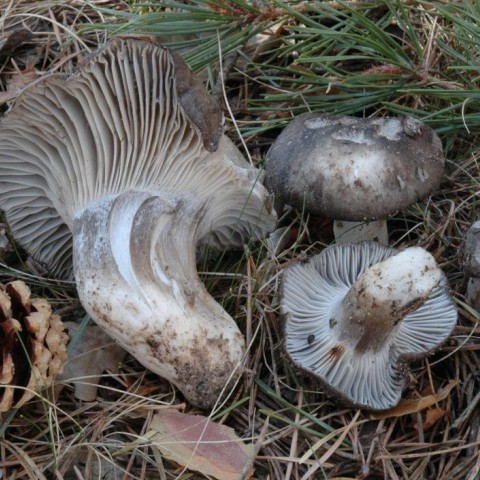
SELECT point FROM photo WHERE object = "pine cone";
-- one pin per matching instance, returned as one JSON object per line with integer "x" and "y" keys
{"x": 32, "y": 345}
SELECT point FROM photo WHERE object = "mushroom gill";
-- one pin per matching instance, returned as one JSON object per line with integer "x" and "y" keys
{"x": 356, "y": 314}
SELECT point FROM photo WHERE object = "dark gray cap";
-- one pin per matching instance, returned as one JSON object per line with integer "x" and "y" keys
{"x": 354, "y": 169}
{"x": 471, "y": 251}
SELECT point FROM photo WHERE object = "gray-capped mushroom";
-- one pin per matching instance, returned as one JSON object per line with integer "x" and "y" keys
{"x": 471, "y": 264}
{"x": 354, "y": 169}
{"x": 356, "y": 314}
{"x": 114, "y": 176}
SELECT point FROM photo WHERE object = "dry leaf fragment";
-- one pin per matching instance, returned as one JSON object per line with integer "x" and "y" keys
{"x": 432, "y": 416}
{"x": 94, "y": 353}
{"x": 199, "y": 444}
{"x": 411, "y": 406}
{"x": 18, "y": 81}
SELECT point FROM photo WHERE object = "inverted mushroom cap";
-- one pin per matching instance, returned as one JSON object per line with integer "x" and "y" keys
{"x": 354, "y": 169}
{"x": 356, "y": 314}
{"x": 114, "y": 176}
{"x": 134, "y": 117}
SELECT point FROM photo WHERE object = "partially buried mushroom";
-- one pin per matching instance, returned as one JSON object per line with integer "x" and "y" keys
{"x": 357, "y": 171}
{"x": 355, "y": 315}
{"x": 114, "y": 176}
{"x": 32, "y": 345}
{"x": 471, "y": 264}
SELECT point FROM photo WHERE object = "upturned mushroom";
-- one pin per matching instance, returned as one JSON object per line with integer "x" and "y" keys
{"x": 32, "y": 345}
{"x": 357, "y": 171}
{"x": 113, "y": 176}
{"x": 355, "y": 315}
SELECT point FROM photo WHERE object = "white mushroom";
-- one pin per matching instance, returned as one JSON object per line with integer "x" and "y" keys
{"x": 129, "y": 155}
{"x": 357, "y": 171}
{"x": 356, "y": 314}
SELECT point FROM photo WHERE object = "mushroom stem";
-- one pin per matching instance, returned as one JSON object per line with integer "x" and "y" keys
{"x": 383, "y": 295}
{"x": 134, "y": 262}
{"x": 356, "y": 232}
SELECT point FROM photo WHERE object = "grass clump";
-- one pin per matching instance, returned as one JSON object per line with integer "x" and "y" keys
{"x": 369, "y": 57}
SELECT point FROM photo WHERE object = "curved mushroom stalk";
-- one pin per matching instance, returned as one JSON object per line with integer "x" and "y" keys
{"x": 356, "y": 314}
{"x": 134, "y": 263}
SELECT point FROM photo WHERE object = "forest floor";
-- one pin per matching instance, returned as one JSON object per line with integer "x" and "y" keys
{"x": 279, "y": 59}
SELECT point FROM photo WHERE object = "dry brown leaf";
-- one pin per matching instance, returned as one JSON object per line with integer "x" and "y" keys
{"x": 12, "y": 41}
{"x": 411, "y": 406}
{"x": 94, "y": 353}
{"x": 432, "y": 416}
{"x": 200, "y": 444}
{"x": 17, "y": 82}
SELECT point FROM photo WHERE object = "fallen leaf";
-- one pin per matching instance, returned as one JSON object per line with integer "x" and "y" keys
{"x": 432, "y": 416}
{"x": 411, "y": 406}
{"x": 200, "y": 444}
{"x": 17, "y": 82}
{"x": 94, "y": 353}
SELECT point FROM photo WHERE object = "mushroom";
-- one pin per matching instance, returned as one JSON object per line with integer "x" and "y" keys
{"x": 354, "y": 169}
{"x": 114, "y": 176}
{"x": 471, "y": 264}
{"x": 355, "y": 315}
{"x": 32, "y": 345}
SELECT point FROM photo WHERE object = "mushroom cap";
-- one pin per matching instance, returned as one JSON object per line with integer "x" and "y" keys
{"x": 471, "y": 251}
{"x": 369, "y": 376}
{"x": 354, "y": 169}
{"x": 32, "y": 345}
{"x": 133, "y": 117}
